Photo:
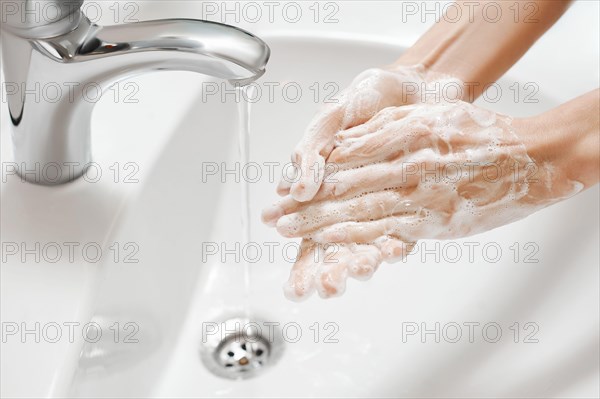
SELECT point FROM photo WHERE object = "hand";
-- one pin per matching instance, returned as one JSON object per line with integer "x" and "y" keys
{"x": 370, "y": 92}
{"x": 416, "y": 172}
{"x": 325, "y": 268}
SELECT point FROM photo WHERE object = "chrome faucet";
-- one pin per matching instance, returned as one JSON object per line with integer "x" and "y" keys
{"x": 51, "y": 139}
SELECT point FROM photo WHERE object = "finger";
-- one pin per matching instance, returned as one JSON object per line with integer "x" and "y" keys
{"x": 409, "y": 228}
{"x": 311, "y": 152}
{"x": 331, "y": 276}
{"x": 407, "y": 173}
{"x": 371, "y": 206}
{"x": 393, "y": 249}
{"x": 301, "y": 283}
{"x": 285, "y": 206}
{"x": 372, "y": 91}
{"x": 284, "y": 186}
{"x": 369, "y": 93}
{"x": 312, "y": 171}
{"x": 377, "y": 122}
{"x": 402, "y": 178}
{"x": 346, "y": 184}
{"x": 393, "y": 142}
{"x": 364, "y": 262}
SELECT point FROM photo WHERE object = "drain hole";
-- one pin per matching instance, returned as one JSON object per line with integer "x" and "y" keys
{"x": 240, "y": 353}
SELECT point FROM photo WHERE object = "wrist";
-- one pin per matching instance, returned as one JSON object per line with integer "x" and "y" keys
{"x": 545, "y": 173}
{"x": 432, "y": 86}
{"x": 541, "y": 143}
{"x": 479, "y": 50}
{"x": 448, "y": 49}
{"x": 573, "y": 129}
{"x": 437, "y": 66}
{"x": 561, "y": 154}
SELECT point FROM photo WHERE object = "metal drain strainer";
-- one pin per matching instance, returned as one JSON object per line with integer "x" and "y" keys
{"x": 240, "y": 348}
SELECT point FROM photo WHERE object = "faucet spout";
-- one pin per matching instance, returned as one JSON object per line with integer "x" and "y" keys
{"x": 51, "y": 139}
{"x": 210, "y": 48}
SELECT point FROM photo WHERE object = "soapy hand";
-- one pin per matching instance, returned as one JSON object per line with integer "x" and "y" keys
{"x": 412, "y": 172}
{"x": 370, "y": 92}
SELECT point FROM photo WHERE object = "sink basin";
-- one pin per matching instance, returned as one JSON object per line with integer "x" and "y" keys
{"x": 184, "y": 210}
{"x": 174, "y": 265}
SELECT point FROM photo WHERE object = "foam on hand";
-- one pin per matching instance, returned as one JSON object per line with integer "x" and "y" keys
{"x": 370, "y": 92}
{"x": 429, "y": 171}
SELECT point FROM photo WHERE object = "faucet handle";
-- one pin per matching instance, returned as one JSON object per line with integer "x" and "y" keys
{"x": 34, "y": 19}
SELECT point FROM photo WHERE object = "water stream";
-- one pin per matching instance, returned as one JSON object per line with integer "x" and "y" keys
{"x": 244, "y": 108}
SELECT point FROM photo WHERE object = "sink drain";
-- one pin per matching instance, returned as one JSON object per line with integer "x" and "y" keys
{"x": 240, "y": 348}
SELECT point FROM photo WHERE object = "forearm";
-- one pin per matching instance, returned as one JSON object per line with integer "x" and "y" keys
{"x": 479, "y": 47}
{"x": 568, "y": 138}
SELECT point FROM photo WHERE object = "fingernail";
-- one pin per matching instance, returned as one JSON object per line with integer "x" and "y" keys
{"x": 287, "y": 226}
{"x": 271, "y": 214}
{"x": 283, "y": 188}
{"x": 297, "y": 191}
{"x": 332, "y": 283}
{"x": 362, "y": 267}
{"x": 302, "y": 192}
{"x": 299, "y": 287}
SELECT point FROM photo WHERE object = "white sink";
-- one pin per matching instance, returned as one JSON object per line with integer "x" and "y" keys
{"x": 172, "y": 290}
